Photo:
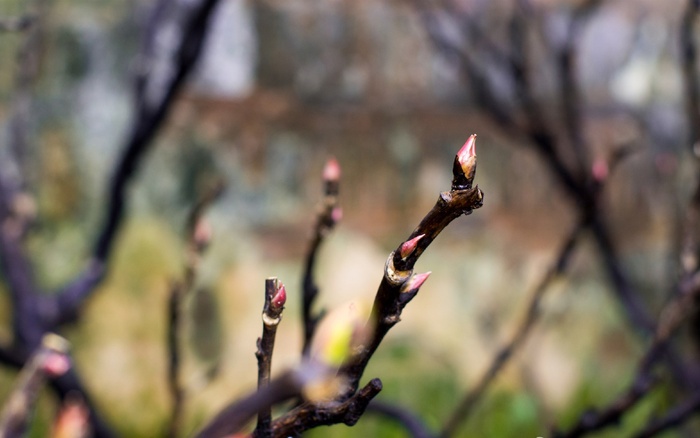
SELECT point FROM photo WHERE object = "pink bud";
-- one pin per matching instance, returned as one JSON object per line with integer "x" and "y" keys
{"x": 56, "y": 364}
{"x": 417, "y": 281}
{"x": 331, "y": 172}
{"x": 467, "y": 156}
{"x": 409, "y": 246}
{"x": 202, "y": 233}
{"x": 337, "y": 214}
{"x": 468, "y": 149}
{"x": 72, "y": 420}
{"x": 280, "y": 297}
{"x": 600, "y": 170}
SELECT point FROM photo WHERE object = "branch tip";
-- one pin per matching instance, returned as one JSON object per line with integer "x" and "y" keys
{"x": 280, "y": 297}
{"x": 464, "y": 167}
{"x": 331, "y": 171}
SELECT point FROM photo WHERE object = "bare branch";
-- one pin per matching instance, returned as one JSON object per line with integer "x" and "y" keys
{"x": 275, "y": 298}
{"x": 415, "y": 427}
{"x": 328, "y": 215}
{"x": 461, "y": 414}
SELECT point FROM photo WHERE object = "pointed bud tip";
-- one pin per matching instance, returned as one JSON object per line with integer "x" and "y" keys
{"x": 600, "y": 170}
{"x": 468, "y": 149}
{"x": 337, "y": 214}
{"x": 280, "y": 297}
{"x": 409, "y": 246}
{"x": 202, "y": 233}
{"x": 56, "y": 364}
{"x": 419, "y": 279}
{"x": 331, "y": 171}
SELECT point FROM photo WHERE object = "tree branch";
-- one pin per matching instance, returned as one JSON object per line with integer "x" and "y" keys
{"x": 464, "y": 409}
{"x": 328, "y": 215}
{"x": 275, "y": 298}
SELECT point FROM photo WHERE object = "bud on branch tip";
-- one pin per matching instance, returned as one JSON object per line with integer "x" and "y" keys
{"x": 331, "y": 172}
{"x": 280, "y": 297}
{"x": 408, "y": 247}
{"x": 467, "y": 154}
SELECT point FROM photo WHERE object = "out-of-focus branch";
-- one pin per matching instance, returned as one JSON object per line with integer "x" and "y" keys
{"x": 165, "y": 60}
{"x": 674, "y": 417}
{"x": 16, "y": 24}
{"x": 275, "y": 298}
{"x": 49, "y": 360}
{"x": 172, "y": 46}
{"x": 464, "y": 409}
{"x": 672, "y": 316}
{"x": 414, "y": 426}
{"x": 542, "y": 138}
{"x": 198, "y": 235}
{"x": 310, "y": 415}
{"x": 290, "y": 385}
{"x": 329, "y": 214}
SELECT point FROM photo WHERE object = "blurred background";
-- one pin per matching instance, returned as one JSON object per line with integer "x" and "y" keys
{"x": 283, "y": 86}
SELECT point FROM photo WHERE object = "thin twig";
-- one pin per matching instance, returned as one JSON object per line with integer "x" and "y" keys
{"x": 464, "y": 409}
{"x": 414, "y": 426}
{"x": 275, "y": 298}
{"x": 328, "y": 216}
{"x": 672, "y": 316}
{"x": 198, "y": 235}
{"x": 398, "y": 276}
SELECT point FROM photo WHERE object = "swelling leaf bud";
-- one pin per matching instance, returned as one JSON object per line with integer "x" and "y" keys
{"x": 408, "y": 247}
{"x": 464, "y": 167}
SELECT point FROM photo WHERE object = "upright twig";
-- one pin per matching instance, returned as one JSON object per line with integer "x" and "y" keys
{"x": 328, "y": 215}
{"x": 275, "y": 298}
{"x": 399, "y": 285}
{"x": 198, "y": 235}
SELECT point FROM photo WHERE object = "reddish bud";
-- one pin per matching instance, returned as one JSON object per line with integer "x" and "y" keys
{"x": 600, "y": 170}
{"x": 409, "y": 246}
{"x": 72, "y": 420}
{"x": 467, "y": 156}
{"x": 55, "y": 364}
{"x": 279, "y": 298}
{"x": 202, "y": 233}
{"x": 337, "y": 214}
{"x": 417, "y": 280}
{"x": 331, "y": 172}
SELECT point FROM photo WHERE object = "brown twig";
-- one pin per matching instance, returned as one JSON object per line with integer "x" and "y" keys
{"x": 398, "y": 287}
{"x": 275, "y": 298}
{"x": 198, "y": 235}
{"x": 328, "y": 215}
{"x": 461, "y": 414}
{"x": 287, "y": 386}
{"x": 398, "y": 276}
{"x": 310, "y": 415}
